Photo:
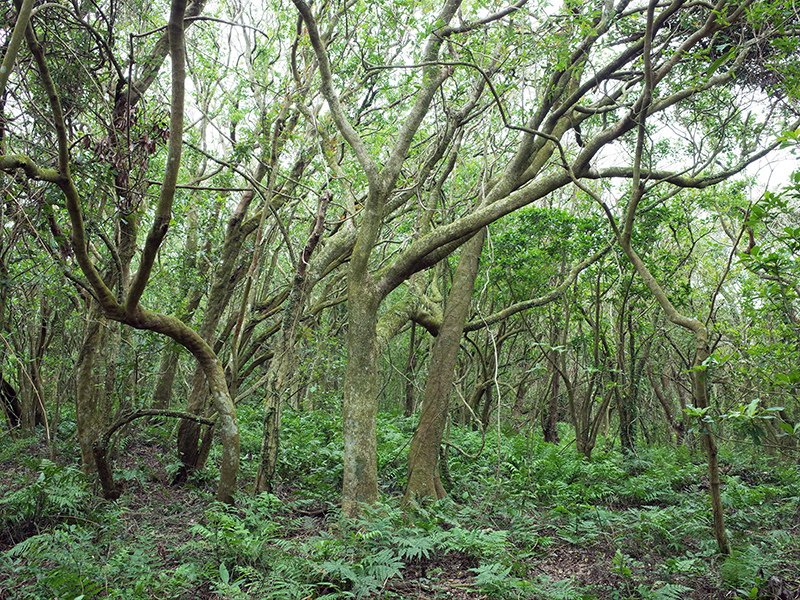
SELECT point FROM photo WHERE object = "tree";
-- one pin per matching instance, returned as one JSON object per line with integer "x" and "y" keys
{"x": 423, "y": 455}
{"x": 598, "y": 83}
{"x": 419, "y": 143}
{"x": 126, "y": 307}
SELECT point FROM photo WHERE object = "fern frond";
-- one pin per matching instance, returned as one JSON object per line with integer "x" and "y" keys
{"x": 671, "y": 591}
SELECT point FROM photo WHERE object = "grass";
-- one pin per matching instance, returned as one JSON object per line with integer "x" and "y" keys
{"x": 524, "y": 520}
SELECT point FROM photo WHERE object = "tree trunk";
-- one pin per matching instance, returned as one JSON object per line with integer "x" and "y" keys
{"x": 359, "y": 414}
{"x": 188, "y": 440}
{"x": 700, "y": 396}
{"x": 423, "y": 455}
{"x": 627, "y": 419}
{"x": 10, "y": 404}
{"x": 167, "y": 367}
{"x": 410, "y": 404}
{"x": 550, "y": 417}
{"x": 280, "y": 369}
{"x": 659, "y": 391}
{"x": 518, "y": 410}
{"x": 550, "y": 421}
{"x": 486, "y": 411}
{"x": 625, "y": 359}
{"x": 92, "y": 406}
{"x": 284, "y": 361}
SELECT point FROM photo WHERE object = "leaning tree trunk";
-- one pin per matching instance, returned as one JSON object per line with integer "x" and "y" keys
{"x": 423, "y": 456}
{"x": 190, "y": 448}
{"x": 700, "y": 397}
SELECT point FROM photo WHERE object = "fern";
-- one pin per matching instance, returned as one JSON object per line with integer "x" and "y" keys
{"x": 241, "y": 535}
{"x": 384, "y": 564}
{"x": 366, "y": 576}
{"x": 416, "y": 547}
{"x": 563, "y": 589}
{"x": 491, "y": 574}
{"x": 669, "y": 591}
{"x": 339, "y": 570}
{"x": 60, "y": 562}
{"x": 486, "y": 543}
{"x": 57, "y": 492}
{"x": 31, "y": 546}
{"x": 748, "y": 568}
{"x": 67, "y": 583}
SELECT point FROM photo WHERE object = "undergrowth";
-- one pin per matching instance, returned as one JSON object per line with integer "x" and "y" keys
{"x": 524, "y": 519}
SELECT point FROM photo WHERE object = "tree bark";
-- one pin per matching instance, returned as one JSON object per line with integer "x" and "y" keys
{"x": 410, "y": 404}
{"x": 359, "y": 413}
{"x": 550, "y": 415}
{"x": 10, "y": 404}
{"x": 423, "y": 456}
{"x": 167, "y": 367}
{"x": 659, "y": 390}
{"x": 92, "y": 405}
{"x": 626, "y": 401}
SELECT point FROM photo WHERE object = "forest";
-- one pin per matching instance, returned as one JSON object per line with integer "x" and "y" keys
{"x": 437, "y": 299}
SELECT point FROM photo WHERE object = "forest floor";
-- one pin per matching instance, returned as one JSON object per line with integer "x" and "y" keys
{"x": 162, "y": 541}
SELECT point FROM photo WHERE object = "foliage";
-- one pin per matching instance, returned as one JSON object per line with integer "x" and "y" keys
{"x": 650, "y": 546}
{"x": 57, "y": 492}
{"x": 529, "y": 104}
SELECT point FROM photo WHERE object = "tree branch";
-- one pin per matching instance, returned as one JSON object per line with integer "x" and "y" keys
{"x": 13, "y": 45}
{"x": 163, "y": 213}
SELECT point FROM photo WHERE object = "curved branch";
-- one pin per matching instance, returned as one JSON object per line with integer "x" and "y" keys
{"x": 551, "y": 296}
{"x": 64, "y": 180}
{"x": 111, "y": 491}
{"x": 12, "y": 162}
{"x": 150, "y": 412}
{"x": 163, "y": 213}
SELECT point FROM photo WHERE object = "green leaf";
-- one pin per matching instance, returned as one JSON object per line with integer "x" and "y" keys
{"x": 751, "y": 409}
{"x": 619, "y": 564}
{"x": 718, "y": 63}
